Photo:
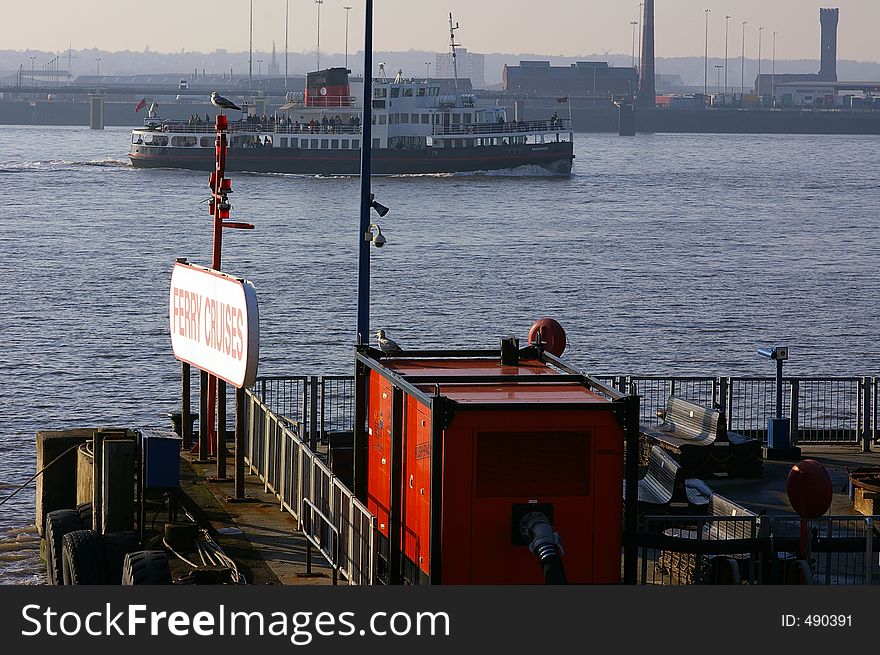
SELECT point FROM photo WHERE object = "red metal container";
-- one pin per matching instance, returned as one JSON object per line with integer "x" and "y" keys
{"x": 459, "y": 447}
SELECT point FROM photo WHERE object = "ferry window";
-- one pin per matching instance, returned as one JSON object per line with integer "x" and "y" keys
{"x": 415, "y": 118}
{"x": 345, "y": 143}
{"x": 378, "y": 104}
{"x": 294, "y": 143}
{"x": 304, "y": 144}
{"x": 137, "y": 138}
{"x": 283, "y": 142}
{"x": 355, "y": 144}
{"x": 404, "y": 118}
{"x": 380, "y": 93}
{"x": 395, "y": 92}
{"x": 421, "y": 92}
{"x": 377, "y": 143}
{"x": 373, "y": 121}
{"x": 314, "y": 144}
{"x": 325, "y": 143}
{"x": 207, "y": 142}
{"x": 468, "y": 118}
{"x": 424, "y": 119}
{"x": 456, "y": 119}
{"x": 334, "y": 144}
{"x": 156, "y": 140}
{"x": 183, "y": 141}
{"x": 407, "y": 92}
{"x": 382, "y": 119}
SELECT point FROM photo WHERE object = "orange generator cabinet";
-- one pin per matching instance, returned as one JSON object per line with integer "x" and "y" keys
{"x": 463, "y": 451}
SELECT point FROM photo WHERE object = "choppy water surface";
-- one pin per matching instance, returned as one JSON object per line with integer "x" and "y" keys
{"x": 661, "y": 254}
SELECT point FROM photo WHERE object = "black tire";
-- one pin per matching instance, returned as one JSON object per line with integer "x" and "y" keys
{"x": 116, "y": 546}
{"x": 146, "y": 567}
{"x": 83, "y": 559}
{"x": 58, "y": 524}
{"x": 85, "y": 514}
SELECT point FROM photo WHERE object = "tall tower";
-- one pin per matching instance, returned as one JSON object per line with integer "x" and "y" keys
{"x": 829, "y": 19}
{"x": 647, "y": 83}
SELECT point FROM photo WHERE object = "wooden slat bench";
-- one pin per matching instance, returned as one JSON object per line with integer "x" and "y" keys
{"x": 713, "y": 569}
{"x": 697, "y": 436}
{"x": 664, "y": 490}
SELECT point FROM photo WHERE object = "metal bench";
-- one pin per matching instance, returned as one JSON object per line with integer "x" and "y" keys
{"x": 663, "y": 489}
{"x": 697, "y": 436}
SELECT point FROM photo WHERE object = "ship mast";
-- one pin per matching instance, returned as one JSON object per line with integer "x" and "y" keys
{"x": 453, "y": 45}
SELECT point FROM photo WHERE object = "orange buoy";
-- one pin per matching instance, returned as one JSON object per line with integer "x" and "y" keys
{"x": 550, "y": 333}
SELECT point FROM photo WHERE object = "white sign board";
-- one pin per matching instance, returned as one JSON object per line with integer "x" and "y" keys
{"x": 215, "y": 323}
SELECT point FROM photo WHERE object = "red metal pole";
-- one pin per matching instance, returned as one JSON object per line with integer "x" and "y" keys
{"x": 220, "y": 212}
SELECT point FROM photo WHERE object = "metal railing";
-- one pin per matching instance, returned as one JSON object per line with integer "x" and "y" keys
{"x": 340, "y": 527}
{"x": 826, "y": 410}
{"x": 507, "y": 127}
{"x": 689, "y": 550}
{"x": 263, "y": 127}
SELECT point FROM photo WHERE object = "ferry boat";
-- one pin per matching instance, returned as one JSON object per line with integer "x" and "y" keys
{"x": 415, "y": 130}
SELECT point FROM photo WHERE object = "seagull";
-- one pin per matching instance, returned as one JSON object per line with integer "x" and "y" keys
{"x": 222, "y": 103}
{"x": 386, "y": 345}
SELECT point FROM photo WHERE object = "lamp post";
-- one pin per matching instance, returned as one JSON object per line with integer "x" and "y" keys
{"x": 706, "y": 62}
{"x": 318, "y": 4}
{"x": 758, "y": 79}
{"x": 773, "y": 72}
{"x": 98, "y": 69}
{"x": 718, "y": 68}
{"x": 634, "y": 24}
{"x": 259, "y": 67}
{"x": 286, "y": 31}
{"x": 427, "y": 71}
{"x": 726, "y": 39}
{"x": 742, "y": 82}
{"x": 641, "y": 35}
{"x": 347, "y": 12}
{"x": 33, "y": 74}
{"x": 363, "y": 304}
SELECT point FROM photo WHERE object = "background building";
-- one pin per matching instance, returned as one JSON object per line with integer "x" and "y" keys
{"x": 584, "y": 78}
{"x": 470, "y": 65}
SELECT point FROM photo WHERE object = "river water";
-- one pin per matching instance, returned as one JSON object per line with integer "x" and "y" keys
{"x": 661, "y": 254}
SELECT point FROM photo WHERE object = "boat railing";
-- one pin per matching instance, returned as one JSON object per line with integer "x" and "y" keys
{"x": 506, "y": 127}
{"x": 265, "y": 127}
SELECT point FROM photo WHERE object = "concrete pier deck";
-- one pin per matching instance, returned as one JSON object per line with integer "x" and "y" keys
{"x": 269, "y": 549}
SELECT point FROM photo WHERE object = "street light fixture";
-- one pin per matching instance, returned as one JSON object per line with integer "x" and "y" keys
{"x": 427, "y": 71}
{"x": 33, "y": 75}
{"x": 347, "y": 12}
{"x": 726, "y": 39}
{"x": 760, "y": 41}
{"x": 634, "y": 24}
{"x": 742, "y": 82}
{"x": 706, "y": 64}
{"x": 98, "y": 71}
{"x": 259, "y": 67}
{"x": 318, "y": 4}
{"x": 773, "y": 72}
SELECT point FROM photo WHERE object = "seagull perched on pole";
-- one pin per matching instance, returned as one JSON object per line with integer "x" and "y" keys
{"x": 222, "y": 103}
{"x": 387, "y": 345}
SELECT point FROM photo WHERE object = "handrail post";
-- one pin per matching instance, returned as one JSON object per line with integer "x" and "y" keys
{"x": 186, "y": 429}
{"x": 723, "y": 391}
{"x": 313, "y": 413}
{"x": 794, "y": 411}
{"x": 865, "y": 410}
{"x": 240, "y": 403}
{"x": 729, "y": 408}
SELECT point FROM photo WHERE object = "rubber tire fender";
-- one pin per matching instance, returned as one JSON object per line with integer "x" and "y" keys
{"x": 84, "y": 561}
{"x": 146, "y": 567}
{"x": 58, "y": 524}
{"x": 116, "y": 546}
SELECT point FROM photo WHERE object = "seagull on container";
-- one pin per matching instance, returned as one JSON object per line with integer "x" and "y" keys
{"x": 222, "y": 103}
{"x": 387, "y": 345}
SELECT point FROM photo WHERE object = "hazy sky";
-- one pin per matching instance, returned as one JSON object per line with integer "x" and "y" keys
{"x": 564, "y": 27}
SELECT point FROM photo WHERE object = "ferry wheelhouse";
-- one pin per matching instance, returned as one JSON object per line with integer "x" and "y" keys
{"x": 416, "y": 129}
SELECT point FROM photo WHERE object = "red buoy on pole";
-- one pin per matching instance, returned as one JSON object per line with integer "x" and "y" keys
{"x": 810, "y": 493}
